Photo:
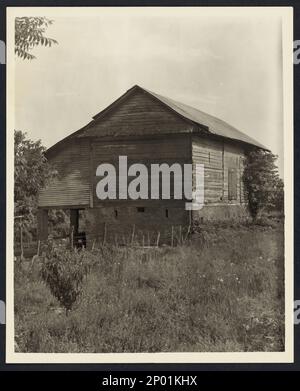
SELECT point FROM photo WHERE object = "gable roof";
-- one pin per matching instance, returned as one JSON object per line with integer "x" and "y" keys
{"x": 203, "y": 121}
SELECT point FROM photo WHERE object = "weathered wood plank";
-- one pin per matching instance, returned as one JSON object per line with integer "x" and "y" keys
{"x": 218, "y": 157}
{"x": 72, "y": 185}
{"x": 139, "y": 114}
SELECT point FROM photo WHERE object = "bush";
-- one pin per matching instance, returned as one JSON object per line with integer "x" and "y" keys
{"x": 63, "y": 271}
{"x": 263, "y": 186}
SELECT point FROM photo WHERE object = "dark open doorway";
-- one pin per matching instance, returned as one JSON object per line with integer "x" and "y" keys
{"x": 77, "y": 238}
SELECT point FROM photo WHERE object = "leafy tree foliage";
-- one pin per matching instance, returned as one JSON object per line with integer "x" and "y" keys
{"x": 29, "y": 32}
{"x": 263, "y": 185}
{"x": 63, "y": 271}
{"x": 32, "y": 172}
{"x": 59, "y": 222}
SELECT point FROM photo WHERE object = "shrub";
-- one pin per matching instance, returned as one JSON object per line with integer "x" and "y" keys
{"x": 263, "y": 186}
{"x": 32, "y": 172}
{"x": 63, "y": 271}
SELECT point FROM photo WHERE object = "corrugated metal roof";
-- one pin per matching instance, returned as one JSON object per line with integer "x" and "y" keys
{"x": 214, "y": 125}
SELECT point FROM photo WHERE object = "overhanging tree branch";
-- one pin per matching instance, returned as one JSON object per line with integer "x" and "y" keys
{"x": 29, "y": 32}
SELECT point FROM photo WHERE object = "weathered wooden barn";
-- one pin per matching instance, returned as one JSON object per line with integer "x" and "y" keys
{"x": 148, "y": 128}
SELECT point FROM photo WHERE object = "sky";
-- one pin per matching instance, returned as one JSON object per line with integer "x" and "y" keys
{"x": 227, "y": 65}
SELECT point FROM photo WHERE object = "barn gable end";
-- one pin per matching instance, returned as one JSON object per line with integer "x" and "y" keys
{"x": 138, "y": 114}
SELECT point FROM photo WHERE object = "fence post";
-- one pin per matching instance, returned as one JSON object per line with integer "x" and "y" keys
{"x": 38, "y": 248}
{"x": 188, "y": 232}
{"x": 157, "y": 241}
{"x": 132, "y": 235}
{"x": 21, "y": 241}
{"x": 72, "y": 238}
{"x": 104, "y": 234}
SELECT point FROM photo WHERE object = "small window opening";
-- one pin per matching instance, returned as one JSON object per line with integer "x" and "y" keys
{"x": 167, "y": 213}
{"x": 140, "y": 209}
{"x": 116, "y": 213}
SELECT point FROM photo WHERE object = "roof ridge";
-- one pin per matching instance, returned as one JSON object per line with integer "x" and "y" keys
{"x": 176, "y": 103}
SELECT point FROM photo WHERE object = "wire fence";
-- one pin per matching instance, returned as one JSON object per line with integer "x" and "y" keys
{"x": 132, "y": 237}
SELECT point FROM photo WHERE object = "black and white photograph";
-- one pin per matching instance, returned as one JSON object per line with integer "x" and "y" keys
{"x": 149, "y": 180}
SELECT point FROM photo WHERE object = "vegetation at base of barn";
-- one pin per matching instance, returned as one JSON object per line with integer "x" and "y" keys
{"x": 263, "y": 186}
{"x": 59, "y": 223}
{"x": 222, "y": 292}
{"x": 29, "y": 33}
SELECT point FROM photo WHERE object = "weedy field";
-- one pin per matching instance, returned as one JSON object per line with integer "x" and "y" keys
{"x": 222, "y": 291}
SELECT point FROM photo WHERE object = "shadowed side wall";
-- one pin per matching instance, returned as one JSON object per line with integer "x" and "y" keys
{"x": 71, "y": 187}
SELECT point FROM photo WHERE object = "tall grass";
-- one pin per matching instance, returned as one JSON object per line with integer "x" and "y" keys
{"x": 221, "y": 292}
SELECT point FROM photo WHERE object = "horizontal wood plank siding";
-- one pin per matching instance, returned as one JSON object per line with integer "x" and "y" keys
{"x": 139, "y": 114}
{"x": 169, "y": 150}
{"x": 209, "y": 153}
{"x": 71, "y": 186}
{"x": 233, "y": 159}
{"x": 218, "y": 157}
